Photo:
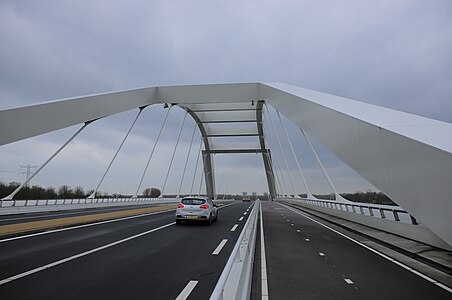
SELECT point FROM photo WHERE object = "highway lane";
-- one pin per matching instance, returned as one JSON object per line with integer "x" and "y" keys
{"x": 305, "y": 260}
{"x": 157, "y": 264}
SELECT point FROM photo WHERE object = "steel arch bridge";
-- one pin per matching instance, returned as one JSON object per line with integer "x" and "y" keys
{"x": 408, "y": 157}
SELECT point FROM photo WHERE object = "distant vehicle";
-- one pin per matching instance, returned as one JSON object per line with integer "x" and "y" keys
{"x": 246, "y": 199}
{"x": 196, "y": 209}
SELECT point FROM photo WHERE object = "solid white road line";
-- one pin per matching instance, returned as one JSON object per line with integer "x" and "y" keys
{"x": 241, "y": 218}
{"x": 64, "y": 260}
{"x": 234, "y": 227}
{"x": 264, "y": 283}
{"x": 187, "y": 290}
{"x": 84, "y": 225}
{"x": 219, "y": 247}
{"x": 439, "y": 284}
{"x": 223, "y": 206}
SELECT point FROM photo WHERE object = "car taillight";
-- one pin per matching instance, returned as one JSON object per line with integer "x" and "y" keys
{"x": 180, "y": 205}
{"x": 204, "y": 206}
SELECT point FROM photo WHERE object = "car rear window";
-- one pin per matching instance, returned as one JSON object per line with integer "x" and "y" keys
{"x": 192, "y": 201}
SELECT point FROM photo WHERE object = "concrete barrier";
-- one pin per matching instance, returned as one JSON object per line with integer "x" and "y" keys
{"x": 236, "y": 278}
{"x": 66, "y": 204}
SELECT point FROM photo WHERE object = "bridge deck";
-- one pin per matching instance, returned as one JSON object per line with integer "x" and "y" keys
{"x": 306, "y": 260}
{"x": 148, "y": 256}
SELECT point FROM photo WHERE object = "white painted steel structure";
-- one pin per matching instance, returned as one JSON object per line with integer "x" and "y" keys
{"x": 408, "y": 157}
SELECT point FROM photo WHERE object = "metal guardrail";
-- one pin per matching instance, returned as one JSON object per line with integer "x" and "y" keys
{"x": 383, "y": 212}
{"x": 235, "y": 280}
{"x": 43, "y": 202}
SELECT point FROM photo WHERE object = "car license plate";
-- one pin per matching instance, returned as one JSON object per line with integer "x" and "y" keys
{"x": 191, "y": 217}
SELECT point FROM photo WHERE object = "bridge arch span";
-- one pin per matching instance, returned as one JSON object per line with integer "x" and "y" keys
{"x": 408, "y": 157}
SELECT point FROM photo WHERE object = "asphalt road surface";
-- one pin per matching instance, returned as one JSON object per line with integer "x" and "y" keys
{"x": 146, "y": 257}
{"x": 306, "y": 260}
{"x": 149, "y": 257}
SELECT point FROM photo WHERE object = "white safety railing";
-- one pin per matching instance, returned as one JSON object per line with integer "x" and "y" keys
{"x": 235, "y": 280}
{"x": 41, "y": 202}
{"x": 393, "y": 213}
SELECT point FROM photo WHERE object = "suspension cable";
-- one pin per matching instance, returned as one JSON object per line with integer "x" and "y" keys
{"x": 174, "y": 151}
{"x": 274, "y": 176}
{"x": 226, "y": 189}
{"x": 309, "y": 195}
{"x": 200, "y": 183}
{"x": 11, "y": 196}
{"x": 186, "y": 161}
{"x": 152, "y": 152}
{"x": 219, "y": 185}
{"x": 284, "y": 156}
{"x": 279, "y": 168}
{"x": 330, "y": 182}
{"x": 196, "y": 167}
{"x": 277, "y": 165}
{"x": 93, "y": 195}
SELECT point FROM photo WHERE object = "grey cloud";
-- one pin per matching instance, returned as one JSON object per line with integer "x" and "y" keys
{"x": 394, "y": 54}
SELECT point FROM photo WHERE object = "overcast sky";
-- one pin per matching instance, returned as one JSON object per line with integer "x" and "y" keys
{"x": 391, "y": 53}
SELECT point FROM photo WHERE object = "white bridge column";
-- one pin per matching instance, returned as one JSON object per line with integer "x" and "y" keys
{"x": 209, "y": 175}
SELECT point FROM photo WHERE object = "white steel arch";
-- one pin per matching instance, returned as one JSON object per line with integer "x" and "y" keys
{"x": 408, "y": 157}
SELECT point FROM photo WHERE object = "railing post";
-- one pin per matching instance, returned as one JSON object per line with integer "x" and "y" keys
{"x": 413, "y": 220}
{"x": 382, "y": 213}
{"x": 396, "y": 215}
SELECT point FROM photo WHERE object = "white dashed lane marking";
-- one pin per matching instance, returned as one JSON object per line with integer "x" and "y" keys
{"x": 219, "y": 247}
{"x": 187, "y": 290}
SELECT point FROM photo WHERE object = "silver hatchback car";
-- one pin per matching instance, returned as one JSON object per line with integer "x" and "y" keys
{"x": 196, "y": 209}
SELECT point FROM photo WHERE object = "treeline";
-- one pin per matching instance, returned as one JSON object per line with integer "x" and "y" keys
{"x": 363, "y": 197}
{"x": 369, "y": 197}
{"x": 63, "y": 192}
{"x": 67, "y": 192}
